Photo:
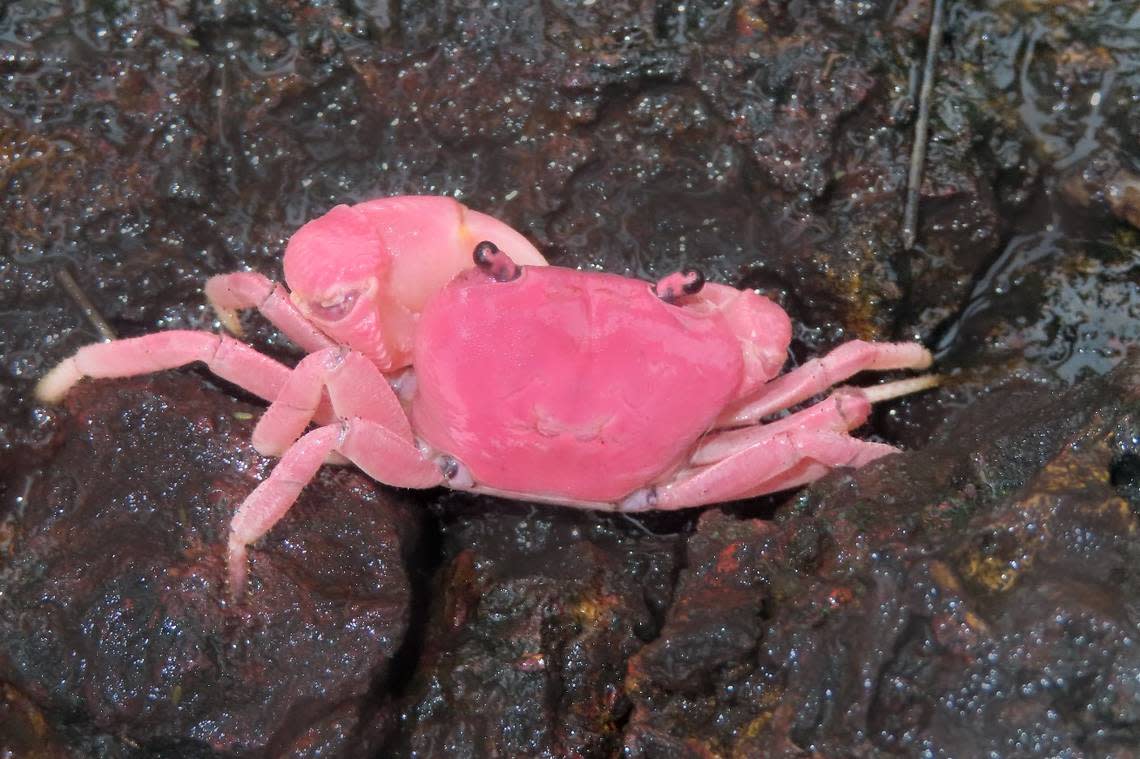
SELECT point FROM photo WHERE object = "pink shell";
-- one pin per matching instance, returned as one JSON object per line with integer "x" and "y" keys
{"x": 569, "y": 384}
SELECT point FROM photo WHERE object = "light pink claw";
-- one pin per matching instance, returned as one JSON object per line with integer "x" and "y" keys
{"x": 225, "y": 357}
{"x": 817, "y": 375}
{"x": 230, "y": 293}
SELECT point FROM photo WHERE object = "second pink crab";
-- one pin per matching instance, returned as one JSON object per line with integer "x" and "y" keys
{"x": 444, "y": 351}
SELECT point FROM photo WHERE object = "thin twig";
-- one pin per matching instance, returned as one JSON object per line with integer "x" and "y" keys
{"x": 105, "y": 330}
{"x": 639, "y": 525}
{"x": 921, "y": 128}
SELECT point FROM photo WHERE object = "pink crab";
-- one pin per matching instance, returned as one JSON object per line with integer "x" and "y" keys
{"x": 510, "y": 377}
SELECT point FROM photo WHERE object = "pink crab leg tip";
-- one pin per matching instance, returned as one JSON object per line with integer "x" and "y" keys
{"x": 378, "y": 451}
{"x": 864, "y": 453}
{"x": 237, "y": 567}
{"x": 779, "y": 461}
{"x": 891, "y": 390}
{"x": 56, "y": 383}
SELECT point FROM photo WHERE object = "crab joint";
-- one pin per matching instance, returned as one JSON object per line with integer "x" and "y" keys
{"x": 457, "y": 475}
{"x": 495, "y": 262}
{"x": 672, "y": 287}
{"x": 639, "y": 500}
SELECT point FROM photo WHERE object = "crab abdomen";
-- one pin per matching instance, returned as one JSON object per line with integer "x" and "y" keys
{"x": 569, "y": 384}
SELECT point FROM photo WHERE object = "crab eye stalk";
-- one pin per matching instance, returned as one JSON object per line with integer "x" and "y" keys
{"x": 694, "y": 281}
{"x": 672, "y": 287}
{"x": 495, "y": 262}
{"x": 334, "y": 309}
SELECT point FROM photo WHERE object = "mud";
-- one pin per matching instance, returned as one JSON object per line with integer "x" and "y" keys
{"x": 146, "y": 147}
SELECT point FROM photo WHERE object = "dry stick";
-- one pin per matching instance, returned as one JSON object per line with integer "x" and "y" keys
{"x": 105, "y": 330}
{"x": 921, "y": 128}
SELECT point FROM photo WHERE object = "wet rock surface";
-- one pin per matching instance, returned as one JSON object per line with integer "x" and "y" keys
{"x": 959, "y": 600}
{"x": 114, "y": 613}
{"x": 535, "y": 615}
{"x": 974, "y": 595}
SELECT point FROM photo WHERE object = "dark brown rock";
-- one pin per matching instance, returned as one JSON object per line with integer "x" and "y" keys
{"x": 114, "y": 614}
{"x": 148, "y": 146}
{"x": 977, "y": 596}
{"x": 25, "y": 732}
{"x": 535, "y": 614}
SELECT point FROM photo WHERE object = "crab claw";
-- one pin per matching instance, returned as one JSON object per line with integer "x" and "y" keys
{"x": 362, "y": 274}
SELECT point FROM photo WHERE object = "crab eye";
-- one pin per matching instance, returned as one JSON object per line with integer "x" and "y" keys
{"x": 336, "y": 308}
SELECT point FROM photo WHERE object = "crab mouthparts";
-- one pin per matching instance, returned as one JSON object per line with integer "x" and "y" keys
{"x": 335, "y": 309}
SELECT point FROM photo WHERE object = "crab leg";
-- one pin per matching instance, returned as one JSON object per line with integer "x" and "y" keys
{"x": 355, "y": 387}
{"x": 382, "y": 454}
{"x": 813, "y": 467}
{"x": 819, "y": 374}
{"x": 374, "y": 433}
{"x": 761, "y": 467}
{"x": 227, "y": 358}
{"x": 843, "y": 410}
{"x": 229, "y": 293}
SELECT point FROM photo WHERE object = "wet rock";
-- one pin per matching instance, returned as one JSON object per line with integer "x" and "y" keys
{"x": 535, "y": 614}
{"x": 1059, "y": 299}
{"x": 977, "y": 596}
{"x": 114, "y": 617}
{"x": 1123, "y": 193}
{"x": 24, "y": 730}
{"x": 697, "y": 677}
{"x": 148, "y": 147}
{"x": 1064, "y": 307}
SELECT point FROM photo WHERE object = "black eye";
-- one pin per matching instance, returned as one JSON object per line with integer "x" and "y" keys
{"x": 334, "y": 309}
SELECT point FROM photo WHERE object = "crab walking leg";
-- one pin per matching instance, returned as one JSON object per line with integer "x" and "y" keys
{"x": 843, "y": 410}
{"x": 229, "y": 293}
{"x": 227, "y": 358}
{"x": 821, "y": 373}
{"x": 861, "y": 452}
{"x": 355, "y": 387}
{"x": 756, "y": 469}
{"x": 381, "y": 453}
